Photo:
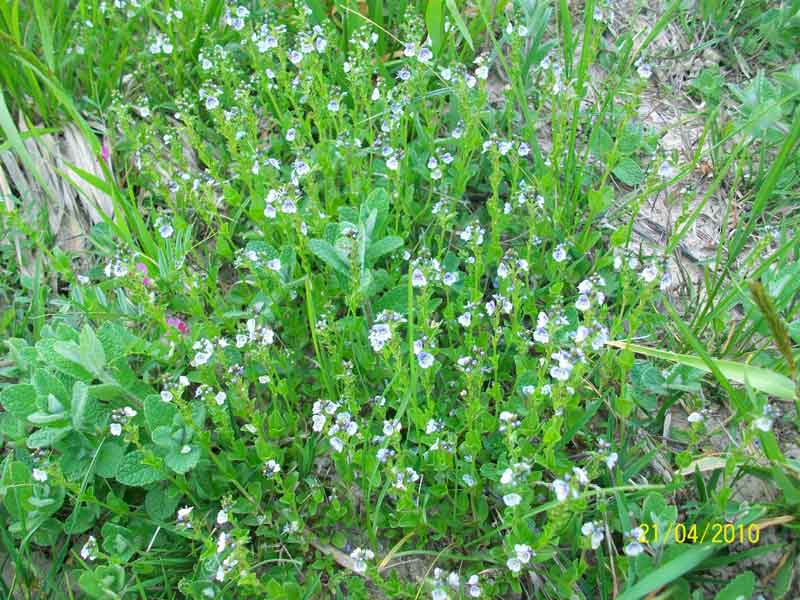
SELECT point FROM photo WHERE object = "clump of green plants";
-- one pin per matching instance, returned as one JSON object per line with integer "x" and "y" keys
{"x": 368, "y": 319}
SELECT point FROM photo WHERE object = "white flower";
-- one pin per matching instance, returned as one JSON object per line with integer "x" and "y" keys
{"x": 582, "y": 303}
{"x": 449, "y": 279}
{"x": 115, "y": 429}
{"x": 383, "y": 454}
{"x": 166, "y": 396}
{"x": 512, "y": 499}
{"x": 507, "y": 476}
{"x": 166, "y": 230}
{"x": 561, "y": 488}
{"x": 634, "y": 548}
{"x": 318, "y": 422}
{"x": 418, "y": 278}
{"x": 391, "y": 427}
{"x": 39, "y": 475}
{"x": 695, "y": 417}
{"x": 514, "y": 565}
{"x": 644, "y": 70}
{"x": 465, "y": 319}
{"x": 274, "y": 264}
{"x": 524, "y": 553}
{"x": 222, "y": 517}
{"x": 360, "y": 557}
{"x": 472, "y": 587}
{"x": 222, "y": 541}
{"x": 581, "y": 475}
{"x": 468, "y": 479}
{"x": 438, "y": 594}
{"x": 594, "y": 533}
{"x": 212, "y": 102}
{"x": 611, "y": 460}
{"x": 271, "y": 467}
{"x": 425, "y": 360}
{"x": 89, "y": 550}
{"x": 560, "y": 253}
{"x": 649, "y": 273}
{"x": 763, "y": 423}
{"x": 220, "y": 398}
{"x": 184, "y": 514}
{"x": 665, "y": 171}
{"x": 482, "y": 72}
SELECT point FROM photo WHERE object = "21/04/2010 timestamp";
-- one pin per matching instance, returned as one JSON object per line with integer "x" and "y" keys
{"x": 691, "y": 533}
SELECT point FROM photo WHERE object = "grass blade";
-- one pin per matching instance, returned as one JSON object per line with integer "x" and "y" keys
{"x": 668, "y": 572}
{"x": 764, "y": 380}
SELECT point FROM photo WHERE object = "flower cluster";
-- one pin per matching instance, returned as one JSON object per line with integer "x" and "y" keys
{"x": 338, "y": 425}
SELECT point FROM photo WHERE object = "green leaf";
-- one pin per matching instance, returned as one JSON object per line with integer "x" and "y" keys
{"x": 46, "y": 383}
{"x": 44, "y": 438}
{"x": 48, "y": 532}
{"x": 163, "y": 436}
{"x": 456, "y": 14}
{"x": 109, "y": 459}
{"x": 50, "y": 355}
{"x": 81, "y": 519}
{"x": 628, "y": 172}
{"x": 764, "y": 380}
{"x": 17, "y": 484}
{"x": 602, "y": 143}
{"x": 794, "y": 331}
{"x": 381, "y": 247}
{"x": 104, "y": 582}
{"x": 80, "y": 400}
{"x": 133, "y": 472}
{"x": 158, "y": 413}
{"x": 183, "y": 463}
{"x": 667, "y": 572}
{"x": 741, "y": 587}
{"x": 93, "y": 357}
{"x": 161, "y": 503}
{"x": 19, "y": 400}
{"x": 118, "y": 541}
{"x": 434, "y": 21}
{"x": 330, "y": 256}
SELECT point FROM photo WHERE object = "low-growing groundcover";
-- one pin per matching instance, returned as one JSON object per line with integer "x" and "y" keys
{"x": 353, "y": 309}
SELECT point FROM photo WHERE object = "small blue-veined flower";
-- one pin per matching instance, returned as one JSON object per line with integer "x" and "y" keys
{"x": 89, "y": 549}
{"x": 634, "y": 547}
{"x": 271, "y": 468}
{"x": 360, "y": 557}
{"x": 425, "y": 359}
{"x": 418, "y": 278}
{"x": 592, "y": 530}
{"x": 649, "y": 273}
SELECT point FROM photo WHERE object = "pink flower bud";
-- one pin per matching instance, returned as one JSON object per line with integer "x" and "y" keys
{"x": 178, "y": 324}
